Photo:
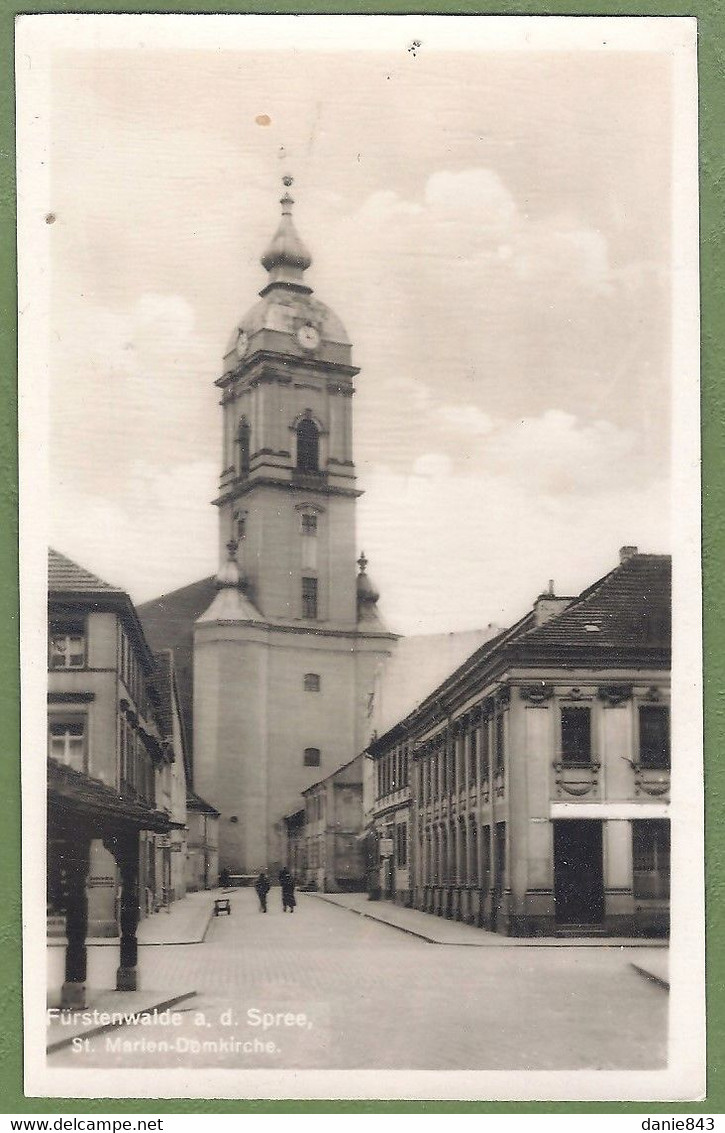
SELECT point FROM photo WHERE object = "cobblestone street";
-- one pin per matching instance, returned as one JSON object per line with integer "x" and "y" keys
{"x": 374, "y": 997}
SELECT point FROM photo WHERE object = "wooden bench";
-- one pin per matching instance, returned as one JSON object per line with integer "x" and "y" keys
{"x": 222, "y": 905}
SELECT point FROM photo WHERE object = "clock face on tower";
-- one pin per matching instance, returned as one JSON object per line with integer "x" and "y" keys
{"x": 242, "y": 343}
{"x": 308, "y": 337}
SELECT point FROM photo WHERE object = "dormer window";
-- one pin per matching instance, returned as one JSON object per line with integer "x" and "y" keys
{"x": 308, "y": 446}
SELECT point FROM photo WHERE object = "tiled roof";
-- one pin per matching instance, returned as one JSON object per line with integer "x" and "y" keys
{"x": 195, "y": 802}
{"x": 168, "y": 623}
{"x": 163, "y": 680}
{"x": 65, "y": 575}
{"x": 629, "y": 607}
{"x": 81, "y": 796}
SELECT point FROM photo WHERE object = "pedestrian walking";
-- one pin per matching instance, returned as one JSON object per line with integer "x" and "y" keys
{"x": 262, "y": 886}
{"x": 287, "y": 882}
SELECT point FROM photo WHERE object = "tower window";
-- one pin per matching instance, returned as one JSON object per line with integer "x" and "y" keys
{"x": 312, "y": 757}
{"x": 312, "y": 682}
{"x": 240, "y": 527}
{"x": 243, "y": 436}
{"x": 309, "y": 597}
{"x": 309, "y": 525}
{"x": 308, "y": 446}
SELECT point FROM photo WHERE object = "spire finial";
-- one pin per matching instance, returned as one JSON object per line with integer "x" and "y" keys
{"x": 229, "y": 573}
{"x": 362, "y": 562}
{"x": 286, "y": 258}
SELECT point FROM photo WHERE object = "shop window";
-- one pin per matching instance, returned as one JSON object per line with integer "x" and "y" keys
{"x": 651, "y": 858}
{"x": 654, "y": 737}
{"x": 67, "y": 741}
{"x": 67, "y": 648}
{"x": 312, "y": 757}
{"x": 576, "y": 735}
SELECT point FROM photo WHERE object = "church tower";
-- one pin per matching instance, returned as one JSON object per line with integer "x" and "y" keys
{"x": 285, "y": 658}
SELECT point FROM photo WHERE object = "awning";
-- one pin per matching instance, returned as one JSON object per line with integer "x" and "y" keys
{"x": 74, "y": 796}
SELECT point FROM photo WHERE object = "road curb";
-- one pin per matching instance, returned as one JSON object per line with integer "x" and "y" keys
{"x": 651, "y": 976}
{"x": 501, "y": 941}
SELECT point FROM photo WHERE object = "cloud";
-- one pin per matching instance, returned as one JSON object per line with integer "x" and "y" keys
{"x": 564, "y": 455}
{"x": 162, "y": 522}
{"x": 467, "y": 419}
{"x": 453, "y": 551}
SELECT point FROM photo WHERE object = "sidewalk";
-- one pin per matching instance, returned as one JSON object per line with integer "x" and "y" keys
{"x": 184, "y": 922}
{"x": 439, "y": 930}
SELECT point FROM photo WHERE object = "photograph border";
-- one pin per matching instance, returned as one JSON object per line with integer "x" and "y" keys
{"x": 712, "y": 90}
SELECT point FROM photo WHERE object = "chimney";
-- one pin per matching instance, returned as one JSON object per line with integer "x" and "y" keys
{"x": 626, "y": 553}
{"x": 548, "y": 606}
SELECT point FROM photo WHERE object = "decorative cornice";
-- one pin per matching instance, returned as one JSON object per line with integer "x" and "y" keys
{"x": 536, "y": 694}
{"x": 613, "y": 695}
{"x": 70, "y": 697}
{"x": 242, "y": 488}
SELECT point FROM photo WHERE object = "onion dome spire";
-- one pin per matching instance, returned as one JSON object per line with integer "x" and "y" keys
{"x": 367, "y": 592}
{"x": 286, "y": 258}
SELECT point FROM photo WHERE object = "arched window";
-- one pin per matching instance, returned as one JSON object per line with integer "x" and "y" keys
{"x": 308, "y": 446}
{"x": 243, "y": 436}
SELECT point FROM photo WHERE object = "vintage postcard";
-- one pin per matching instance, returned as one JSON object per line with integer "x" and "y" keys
{"x": 360, "y": 553}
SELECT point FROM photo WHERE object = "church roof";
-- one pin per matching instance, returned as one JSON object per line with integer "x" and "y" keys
{"x": 230, "y": 605}
{"x": 168, "y": 623}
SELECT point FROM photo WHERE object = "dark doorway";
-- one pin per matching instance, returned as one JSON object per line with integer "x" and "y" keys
{"x": 578, "y": 872}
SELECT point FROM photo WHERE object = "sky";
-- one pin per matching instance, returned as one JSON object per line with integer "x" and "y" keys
{"x": 492, "y": 226}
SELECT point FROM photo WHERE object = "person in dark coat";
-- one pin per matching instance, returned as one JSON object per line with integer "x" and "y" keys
{"x": 262, "y": 886}
{"x": 287, "y": 882}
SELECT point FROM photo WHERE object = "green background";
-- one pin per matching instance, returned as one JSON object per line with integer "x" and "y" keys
{"x": 711, "y": 35}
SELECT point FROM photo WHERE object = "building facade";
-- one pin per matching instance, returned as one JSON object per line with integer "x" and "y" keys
{"x": 539, "y": 771}
{"x": 106, "y": 760}
{"x": 202, "y": 844}
{"x": 334, "y": 853}
{"x": 286, "y": 653}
